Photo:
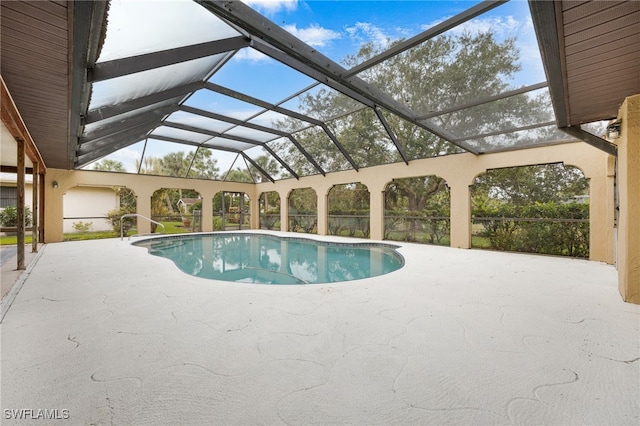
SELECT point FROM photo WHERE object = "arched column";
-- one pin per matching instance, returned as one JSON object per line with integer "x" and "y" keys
{"x": 284, "y": 210}
{"x": 143, "y": 207}
{"x": 461, "y": 205}
{"x": 323, "y": 210}
{"x": 376, "y": 212}
{"x": 207, "y": 209}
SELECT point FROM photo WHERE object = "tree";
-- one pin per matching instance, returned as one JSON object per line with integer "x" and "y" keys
{"x": 525, "y": 185}
{"x": 267, "y": 164}
{"x": 202, "y": 165}
{"x": 442, "y": 72}
{"x": 239, "y": 175}
{"x": 109, "y": 166}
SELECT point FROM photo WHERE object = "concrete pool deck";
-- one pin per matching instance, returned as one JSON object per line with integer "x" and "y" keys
{"x": 102, "y": 332}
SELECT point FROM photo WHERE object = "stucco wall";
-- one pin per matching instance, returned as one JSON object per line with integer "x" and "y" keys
{"x": 458, "y": 170}
{"x": 628, "y": 249}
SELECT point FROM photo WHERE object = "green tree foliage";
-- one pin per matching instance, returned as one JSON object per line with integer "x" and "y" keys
{"x": 9, "y": 216}
{"x": 109, "y": 166}
{"x": 417, "y": 209}
{"x": 239, "y": 175}
{"x": 195, "y": 164}
{"x": 270, "y": 210}
{"x": 349, "y": 210}
{"x": 442, "y": 72}
{"x": 533, "y": 209}
{"x": 526, "y": 185}
{"x": 303, "y": 210}
{"x": 203, "y": 166}
{"x": 128, "y": 205}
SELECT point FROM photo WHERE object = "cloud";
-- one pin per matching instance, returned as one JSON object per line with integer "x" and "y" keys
{"x": 251, "y": 55}
{"x": 500, "y": 26}
{"x": 314, "y": 35}
{"x": 127, "y": 157}
{"x": 365, "y": 31}
{"x": 272, "y": 6}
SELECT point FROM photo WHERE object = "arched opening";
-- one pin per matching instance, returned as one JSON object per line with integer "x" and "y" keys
{"x": 535, "y": 209}
{"x": 303, "y": 211}
{"x": 178, "y": 209}
{"x": 417, "y": 210}
{"x": 269, "y": 210}
{"x": 349, "y": 210}
{"x": 231, "y": 211}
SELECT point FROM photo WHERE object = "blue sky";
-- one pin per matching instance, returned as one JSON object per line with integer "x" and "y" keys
{"x": 336, "y": 28}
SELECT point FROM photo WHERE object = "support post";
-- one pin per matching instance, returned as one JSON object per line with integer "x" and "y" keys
{"x": 20, "y": 203}
{"x": 376, "y": 214}
{"x": 35, "y": 189}
{"x": 460, "y": 216}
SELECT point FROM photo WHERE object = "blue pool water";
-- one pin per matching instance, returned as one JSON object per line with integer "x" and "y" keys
{"x": 266, "y": 259}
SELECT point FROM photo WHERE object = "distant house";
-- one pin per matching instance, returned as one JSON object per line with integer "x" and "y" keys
{"x": 185, "y": 204}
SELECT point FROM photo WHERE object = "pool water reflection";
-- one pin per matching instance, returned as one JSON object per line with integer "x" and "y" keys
{"x": 266, "y": 259}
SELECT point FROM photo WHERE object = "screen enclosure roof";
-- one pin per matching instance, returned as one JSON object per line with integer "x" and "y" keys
{"x": 232, "y": 86}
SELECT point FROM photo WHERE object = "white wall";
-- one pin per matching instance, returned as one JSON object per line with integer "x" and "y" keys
{"x": 88, "y": 204}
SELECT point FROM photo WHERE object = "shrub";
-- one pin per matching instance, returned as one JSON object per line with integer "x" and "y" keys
{"x": 9, "y": 216}
{"x": 114, "y": 217}
{"x": 546, "y": 228}
{"x": 82, "y": 226}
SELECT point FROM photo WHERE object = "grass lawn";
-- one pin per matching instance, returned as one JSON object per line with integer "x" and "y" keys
{"x": 169, "y": 228}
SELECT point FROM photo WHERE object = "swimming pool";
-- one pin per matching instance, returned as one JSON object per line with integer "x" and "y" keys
{"x": 268, "y": 259}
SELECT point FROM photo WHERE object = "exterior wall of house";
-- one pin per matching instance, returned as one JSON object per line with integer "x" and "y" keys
{"x": 88, "y": 204}
{"x": 628, "y": 247}
{"x": 28, "y": 192}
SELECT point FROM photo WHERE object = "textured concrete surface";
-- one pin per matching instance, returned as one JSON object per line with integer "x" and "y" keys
{"x": 10, "y": 275}
{"x": 105, "y": 333}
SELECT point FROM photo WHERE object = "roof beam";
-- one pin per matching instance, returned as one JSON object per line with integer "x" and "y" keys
{"x": 545, "y": 22}
{"x": 109, "y": 111}
{"x": 235, "y": 121}
{"x": 591, "y": 139}
{"x": 257, "y": 166}
{"x": 153, "y": 116}
{"x": 505, "y": 131}
{"x": 87, "y": 157}
{"x": 392, "y": 135}
{"x": 281, "y": 161}
{"x": 289, "y": 113}
{"x": 486, "y": 100}
{"x": 88, "y": 20}
{"x": 231, "y": 120}
{"x": 307, "y": 57}
{"x": 138, "y": 132}
{"x": 257, "y": 102}
{"x": 133, "y": 64}
{"x": 230, "y": 137}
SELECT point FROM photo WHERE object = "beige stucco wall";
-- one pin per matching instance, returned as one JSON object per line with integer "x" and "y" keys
{"x": 628, "y": 249}
{"x": 143, "y": 186}
{"x": 458, "y": 170}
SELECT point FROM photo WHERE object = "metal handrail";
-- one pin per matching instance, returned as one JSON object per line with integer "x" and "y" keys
{"x": 136, "y": 215}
